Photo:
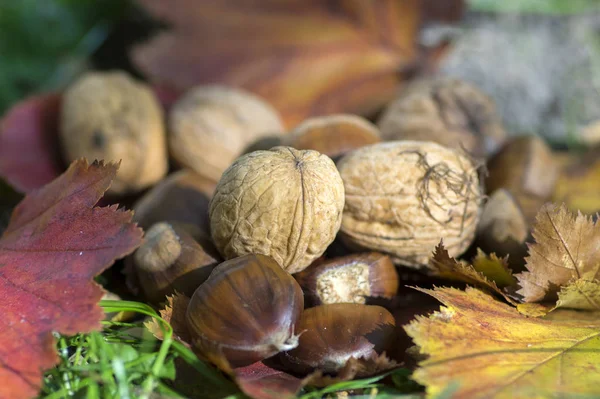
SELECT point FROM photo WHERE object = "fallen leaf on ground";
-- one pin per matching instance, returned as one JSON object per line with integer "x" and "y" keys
{"x": 445, "y": 266}
{"x": 566, "y": 248}
{"x": 29, "y": 143}
{"x": 580, "y": 294}
{"x": 54, "y": 245}
{"x": 494, "y": 268}
{"x": 305, "y": 57}
{"x": 491, "y": 351}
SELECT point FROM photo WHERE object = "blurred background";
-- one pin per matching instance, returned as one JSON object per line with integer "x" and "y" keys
{"x": 539, "y": 59}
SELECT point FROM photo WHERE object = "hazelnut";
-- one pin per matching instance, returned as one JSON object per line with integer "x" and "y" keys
{"x": 182, "y": 197}
{"x": 333, "y": 334}
{"x": 173, "y": 257}
{"x": 210, "y": 126}
{"x": 284, "y": 203}
{"x": 447, "y": 111}
{"x": 526, "y": 168}
{"x": 333, "y": 135}
{"x": 245, "y": 312}
{"x": 111, "y": 116}
{"x": 502, "y": 227}
{"x": 349, "y": 279}
{"x": 402, "y": 197}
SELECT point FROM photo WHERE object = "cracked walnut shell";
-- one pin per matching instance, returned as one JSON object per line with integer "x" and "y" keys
{"x": 284, "y": 203}
{"x": 403, "y": 197}
{"x": 111, "y": 116}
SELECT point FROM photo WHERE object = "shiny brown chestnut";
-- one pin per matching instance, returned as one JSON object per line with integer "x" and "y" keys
{"x": 245, "y": 312}
{"x": 173, "y": 257}
{"x": 333, "y": 135}
{"x": 527, "y": 169}
{"x": 349, "y": 279}
{"x": 182, "y": 197}
{"x": 332, "y": 334}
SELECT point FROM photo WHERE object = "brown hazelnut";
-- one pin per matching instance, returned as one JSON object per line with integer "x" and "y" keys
{"x": 173, "y": 257}
{"x": 246, "y": 311}
{"x": 182, "y": 197}
{"x": 210, "y": 126}
{"x": 447, "y": 111}
{"x": 333, "y": 135}
{"x": 350, "y": 279}
{"x": 110, "y": 116}
{"x": 526, "y": 168}
{"x": 332, "y": 334}
{"x": 403, "y": 197}
{"x": 502, "y": 227}
{"x": 284, "y": 203}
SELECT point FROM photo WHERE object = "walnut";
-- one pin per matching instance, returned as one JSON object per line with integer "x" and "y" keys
{"x": 447, "y": 111}
{"x": 284, "y": 203}
{"x": 403, "y": 197}
{"x": 210, "y": 126}
{"x": 111, "y": 116}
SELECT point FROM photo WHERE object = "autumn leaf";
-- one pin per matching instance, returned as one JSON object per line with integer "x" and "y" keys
{"x": 566, "y": 248}
{"x": 29, "y": 143}
{"x": 580, "y": 294}
{"x": 494, "y": 268}
{"x": 54, "y": 245}
{"x": 491, "y": 351}
{"x": 305, "y": 57}
{"x": 445, "y": 266}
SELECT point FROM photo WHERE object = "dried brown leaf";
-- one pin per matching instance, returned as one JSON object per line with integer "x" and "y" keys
{"x": 566, "y": 248}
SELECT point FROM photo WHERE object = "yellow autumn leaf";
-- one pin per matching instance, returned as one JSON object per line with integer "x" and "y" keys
{"x": 567, "y": 247}
{"x": 580, "y": 294}
{"x": 494, "y": 268}
{"x": 445, "y": 266}
{"x": 492, "y": 351}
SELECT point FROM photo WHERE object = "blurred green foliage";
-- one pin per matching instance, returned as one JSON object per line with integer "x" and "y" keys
{"x": 45, "y": 43}
{"x": 535, "y": 6}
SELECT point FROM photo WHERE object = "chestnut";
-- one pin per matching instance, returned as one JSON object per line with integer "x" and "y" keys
{"x": 332, "y": 334}
{"x": 333, "y": 135}
{"x": 173, "y": 257}
{"x": 245, "y": 312}
{"x": 351, "y": 278}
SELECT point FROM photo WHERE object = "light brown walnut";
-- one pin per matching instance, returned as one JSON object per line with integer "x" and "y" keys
{"x": 210, "y": 126}
{"x": 447, "y": 111}
{"x": 111, "y": 116}
{"x": 403, "y": 197}
{"x": 284, "y": 203}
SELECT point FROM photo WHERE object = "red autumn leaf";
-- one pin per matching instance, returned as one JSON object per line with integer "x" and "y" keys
{"x": 306, "y": 57}
{"x": 28, "y": 143}
{"x": 260, "y": 381}
{"x": 54, "y": 245}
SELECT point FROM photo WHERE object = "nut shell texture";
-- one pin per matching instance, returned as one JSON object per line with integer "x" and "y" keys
{"x": 245, "y": 311}
{"x": 447, "y": 111}
{"x": 113, "y": 117}
{"x": 403, "y": 197}
{"x": 210, "y": 126}
{"x": 284, "y": 203}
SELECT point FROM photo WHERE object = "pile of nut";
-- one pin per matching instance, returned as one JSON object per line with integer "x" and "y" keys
{"x": 246, "y": 226}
